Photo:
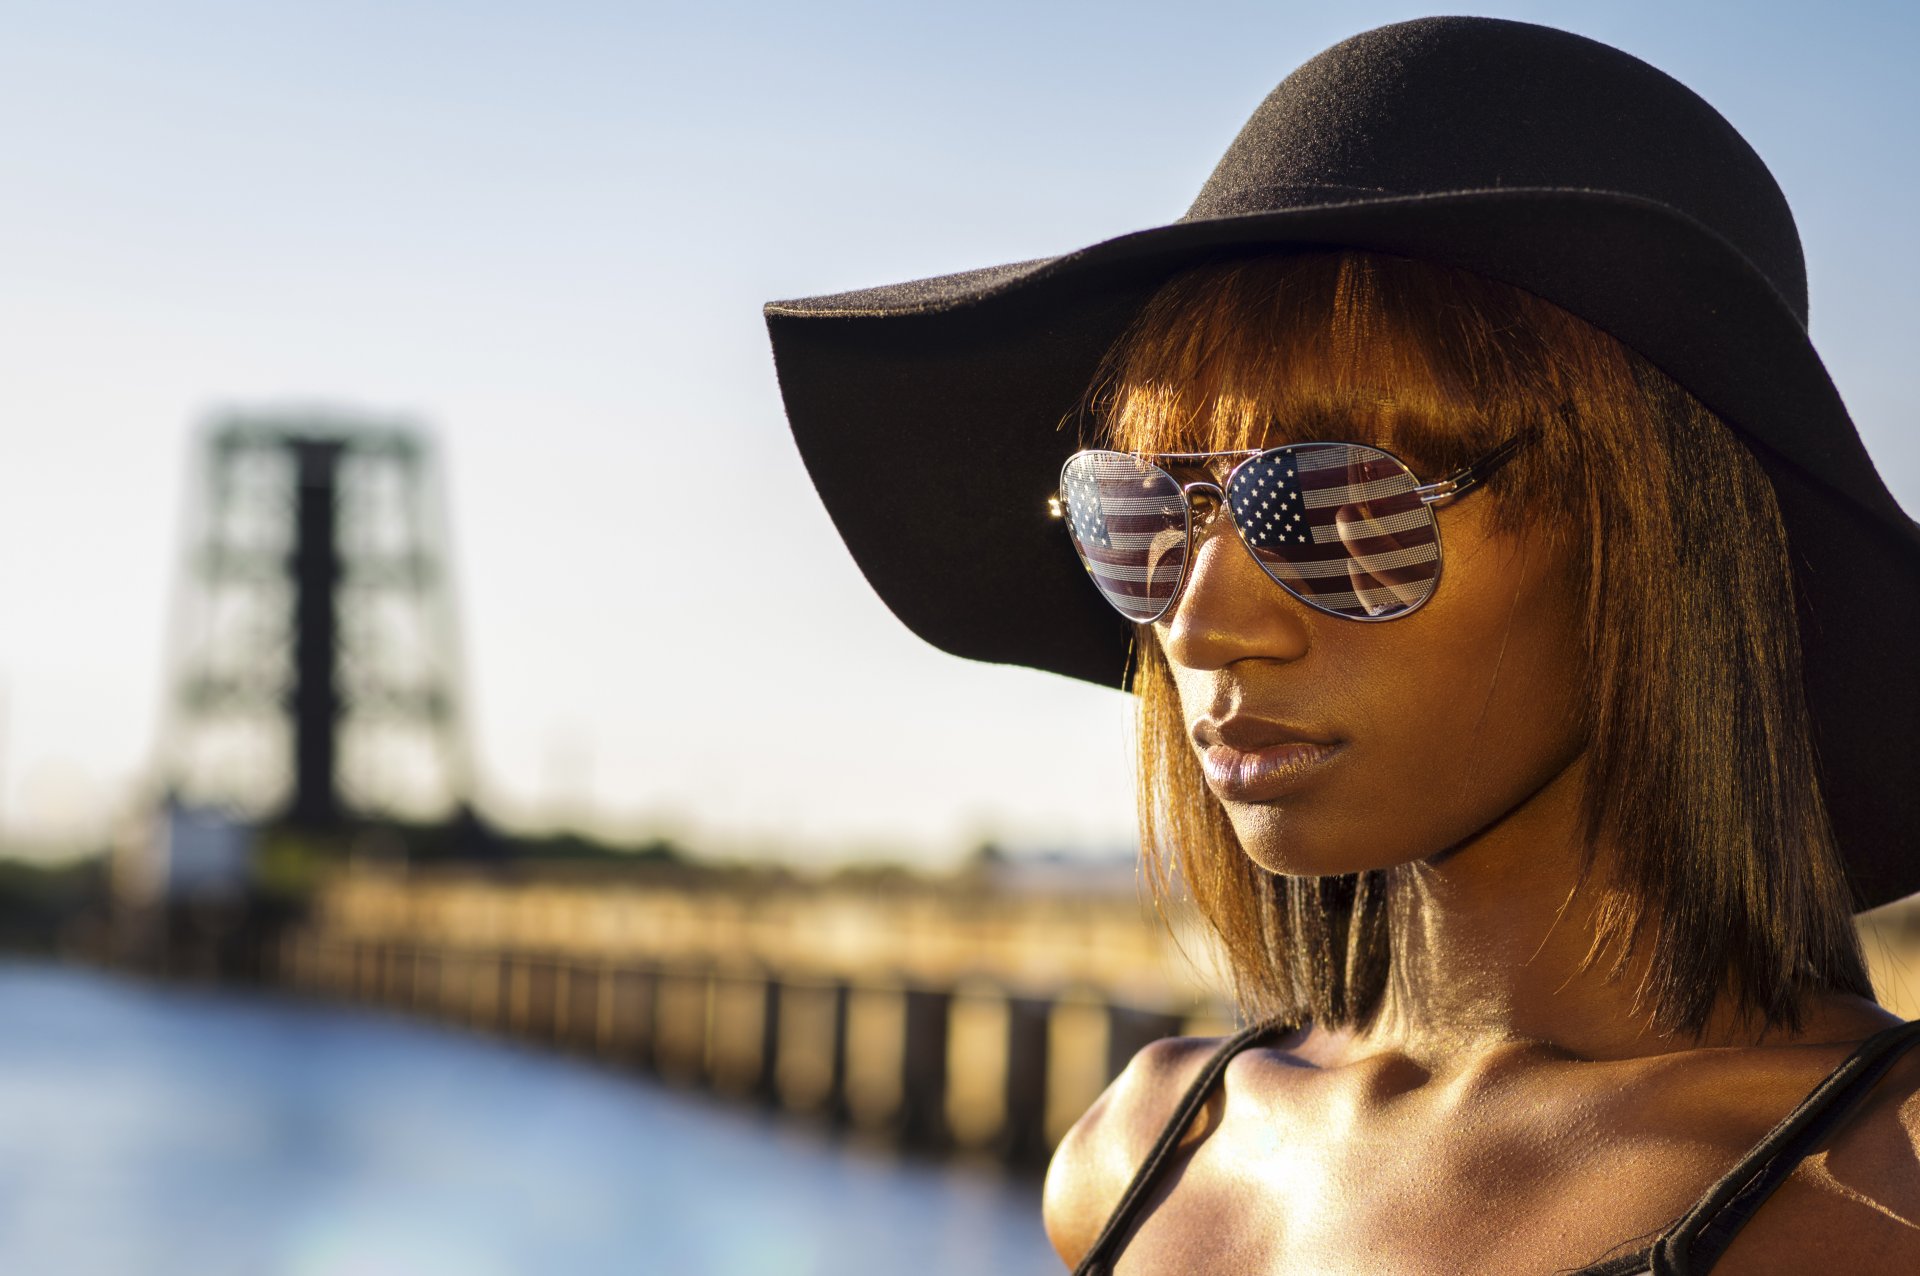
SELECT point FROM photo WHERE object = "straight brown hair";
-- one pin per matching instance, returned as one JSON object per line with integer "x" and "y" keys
{"x": 1702, "y": 766}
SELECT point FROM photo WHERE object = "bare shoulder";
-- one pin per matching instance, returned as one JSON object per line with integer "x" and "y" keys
{"x": 1853, "y": 1205}
{"x": 1097, "y": 1158}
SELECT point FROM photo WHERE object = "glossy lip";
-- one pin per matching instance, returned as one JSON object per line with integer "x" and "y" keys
{"x": 1257, "y": 760}
{"x": 1261, "y": 775}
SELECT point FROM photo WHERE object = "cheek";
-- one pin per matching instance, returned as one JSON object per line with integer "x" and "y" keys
{"x": 1453, "y": 717}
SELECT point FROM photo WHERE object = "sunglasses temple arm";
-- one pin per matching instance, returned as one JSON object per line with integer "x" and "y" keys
{"x": 1472, "y": 476}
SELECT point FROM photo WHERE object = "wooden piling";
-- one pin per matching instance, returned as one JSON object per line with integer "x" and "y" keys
{"x": 922, "y": 1120}
{"x": 1023, "y": 1127}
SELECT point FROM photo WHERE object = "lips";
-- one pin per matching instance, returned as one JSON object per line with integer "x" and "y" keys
{"x": 1256, "y": 760}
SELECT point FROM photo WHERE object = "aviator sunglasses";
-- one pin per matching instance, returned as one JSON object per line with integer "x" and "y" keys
{"x": 1345, "y": 528}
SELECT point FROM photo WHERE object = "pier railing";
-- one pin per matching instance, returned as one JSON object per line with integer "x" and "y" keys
{"x": 968, "y": 1066}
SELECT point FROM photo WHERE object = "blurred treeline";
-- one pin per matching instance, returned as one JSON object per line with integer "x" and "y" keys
{"x": 46, "y": 905}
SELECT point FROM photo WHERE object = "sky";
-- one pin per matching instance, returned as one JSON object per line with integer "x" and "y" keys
{"x": 545, "y": 232}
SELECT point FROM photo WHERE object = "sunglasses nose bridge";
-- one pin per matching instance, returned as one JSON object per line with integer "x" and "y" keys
{"x": 1205, "y": 499}
{"x": 1206, "y": 502}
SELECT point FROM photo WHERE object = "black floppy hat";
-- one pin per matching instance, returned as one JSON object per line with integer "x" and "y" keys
{"x": 1531, "y": 156}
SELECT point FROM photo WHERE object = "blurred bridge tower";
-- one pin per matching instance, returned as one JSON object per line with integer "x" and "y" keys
{"x": 315, "y": 671}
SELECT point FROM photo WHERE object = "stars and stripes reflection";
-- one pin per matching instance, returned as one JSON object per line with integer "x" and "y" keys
{"x": 1129, "y": 523}
{"x": 1340, "y": 525}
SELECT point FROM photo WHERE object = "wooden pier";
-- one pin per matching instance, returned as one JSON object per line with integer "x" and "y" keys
{"x": 969, "y": 1024}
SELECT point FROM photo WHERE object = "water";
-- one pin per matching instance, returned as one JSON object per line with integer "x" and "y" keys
{"x": 154, "y": 1130}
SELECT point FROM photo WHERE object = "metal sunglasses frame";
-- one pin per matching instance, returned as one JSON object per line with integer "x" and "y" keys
{"x": 1438, "y": 492}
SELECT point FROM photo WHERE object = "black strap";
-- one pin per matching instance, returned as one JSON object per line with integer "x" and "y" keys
{"x": 1694, "y": 1244}
{"x": 1098, "y": 1261}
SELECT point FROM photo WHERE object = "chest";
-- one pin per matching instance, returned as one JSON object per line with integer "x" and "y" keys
{"x": 1414, "y": 1188}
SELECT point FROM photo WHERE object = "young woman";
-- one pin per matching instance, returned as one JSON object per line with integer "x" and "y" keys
{"x": 1519, "y": 635}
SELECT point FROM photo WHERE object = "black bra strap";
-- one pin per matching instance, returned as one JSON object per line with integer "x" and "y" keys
{"x": 1097, "y": 1260}
{"x": 1696, "y": 1242}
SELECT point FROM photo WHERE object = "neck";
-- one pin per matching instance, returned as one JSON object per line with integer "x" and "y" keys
{"x": 1491, "y": 945}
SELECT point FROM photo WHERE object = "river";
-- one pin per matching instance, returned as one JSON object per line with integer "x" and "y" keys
{"x": 155, "y": 1130}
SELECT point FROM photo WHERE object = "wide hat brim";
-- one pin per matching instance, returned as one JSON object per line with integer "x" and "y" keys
{"x": 933, "y": 417}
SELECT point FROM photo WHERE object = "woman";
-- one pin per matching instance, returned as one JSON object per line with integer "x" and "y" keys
{"x": 1519, "y": 633}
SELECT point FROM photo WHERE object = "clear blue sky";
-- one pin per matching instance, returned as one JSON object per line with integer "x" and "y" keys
{"x": 547, "y": 229}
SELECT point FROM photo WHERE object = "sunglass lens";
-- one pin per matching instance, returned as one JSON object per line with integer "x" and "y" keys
{"x": 1340, "y": 526}
{"x": 1128, "y": 518}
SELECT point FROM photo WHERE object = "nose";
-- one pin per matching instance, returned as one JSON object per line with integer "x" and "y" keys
{"x": 1229, "y": 608}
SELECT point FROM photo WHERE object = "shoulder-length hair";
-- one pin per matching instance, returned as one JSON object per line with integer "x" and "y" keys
{"x": 1727, "y": 880}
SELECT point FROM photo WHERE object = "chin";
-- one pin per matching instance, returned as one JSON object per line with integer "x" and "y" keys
{"x": 1291, "y": 844}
